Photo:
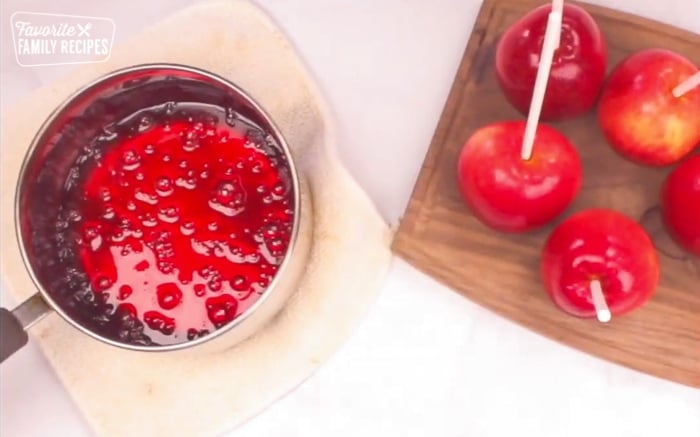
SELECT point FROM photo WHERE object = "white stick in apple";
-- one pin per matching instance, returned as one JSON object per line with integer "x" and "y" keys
{"x": 601, "y": 305}
{"x": 687, "y": 85}
{"x": 558, "y": 7}
{"x": 551, "y": 42}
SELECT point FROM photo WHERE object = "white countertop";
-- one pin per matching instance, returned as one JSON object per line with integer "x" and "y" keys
{"x": 425, "y": 361}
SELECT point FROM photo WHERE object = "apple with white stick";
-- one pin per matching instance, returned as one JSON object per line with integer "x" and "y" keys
{"x": 649, "y": 110}
{"x": 576, "y": 72}
{"x": 517, "y": 176}
{"x": 599, "y": 263}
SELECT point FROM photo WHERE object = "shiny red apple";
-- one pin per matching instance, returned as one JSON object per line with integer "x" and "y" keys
{"x": 680, "y": 204}
{"x": 508, "y": 193}
{"x": 599, "y": 245}
{"x": 578, "y": 69}
{"x": 639, "y": 115}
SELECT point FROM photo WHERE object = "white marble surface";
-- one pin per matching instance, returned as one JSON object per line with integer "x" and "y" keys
{"x": 425, "y": 361}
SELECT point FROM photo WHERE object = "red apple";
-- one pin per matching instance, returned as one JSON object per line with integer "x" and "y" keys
{"x": 578, "y": 69}
{"x": 508, "y": 193}
{"x": 680, "y": 204}
{"x": 639, "y": 115}
{"x": 602, "y": 245}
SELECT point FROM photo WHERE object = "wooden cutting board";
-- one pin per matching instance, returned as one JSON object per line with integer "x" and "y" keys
{"x": 439, "y": 236}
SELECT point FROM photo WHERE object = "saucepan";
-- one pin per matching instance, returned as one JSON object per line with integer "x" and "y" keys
{"x": 80, "y": 134}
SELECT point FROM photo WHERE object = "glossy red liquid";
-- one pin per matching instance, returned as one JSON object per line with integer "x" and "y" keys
{"x": 183, "y": 224}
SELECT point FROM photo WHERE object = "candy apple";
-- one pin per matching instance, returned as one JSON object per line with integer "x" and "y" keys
{"x": 604, "y": 246}
{"x": 680, "y": 204}
{"x": 578, "y": 68}
{"x": 639, "y": 115}
{"x": 508, "y": 193}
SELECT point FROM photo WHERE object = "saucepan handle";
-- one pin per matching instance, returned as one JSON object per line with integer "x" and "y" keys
{"x": 14, "y": 324}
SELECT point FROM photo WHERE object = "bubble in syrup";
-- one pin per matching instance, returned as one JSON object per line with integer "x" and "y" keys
{"x": 167, "y": 158}
{"x": 170, "y": 108}
{"x": 183, "y": 164}
{"x": 279, "y": 189}
{"x": 191, "y": 142}
{"x": 188, "y": 184}
{"x": 103, "y": 283}
{"x": 270, "y": 230}
{"x": 145, "y": 123}
{"x": 124, "y": 292}
{"x": 187, "y": 228}
{"x": 194, "y": 333}
{"x": 221, "y": 309}
{"x": 169, "y": 295}
{"x": 276, "y": 245}
{"x": 240, "y": 165}
{"x": 130, "y": 160}
{"x": 257, "y": 168}
{"x": 224, "y": 193}
{"x": 261, "y": 189}
{"x": 158, "y": 322}
{"x": 105, "y": 195}
{"x": 169, "y": 214}
{"x": 231, "y": 116}
{"x": 213, "y": 226}
{"x": 144, "y": 197}
{"x": 149, "y": 221}
{"x": 214, "y": 285}
{"x": 239, "y": 283}
{"x": 109, "y": 213}
{"x": 74, "y": 216}
{"x": 118, "y": 236}
{"x": 150, "y": 149}
{"x": 131, "y": 206}
{"x": 140, "y": 176}
{"x": 61, "y": 225}
{"x": 204, "y": 174}
{"x": 91, "y": 232}
{"x": 166, "y": 267}
{"x": 229, "y": 171}
{"x": 164, "y": 186}
{"x": 95, "y": 243}
{"x": 200, "y": 290}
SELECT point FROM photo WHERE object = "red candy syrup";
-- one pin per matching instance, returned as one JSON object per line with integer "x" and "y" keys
{"x": 183, "y": 222}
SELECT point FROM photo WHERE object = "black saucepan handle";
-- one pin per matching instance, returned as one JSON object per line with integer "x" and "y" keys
{"x": 14, "y": 324}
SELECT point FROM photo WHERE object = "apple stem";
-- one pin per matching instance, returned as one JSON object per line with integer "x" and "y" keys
{"x": 687, "y": 85}
{"x": 601, "y": 305}
{"x": 551, "y": 41}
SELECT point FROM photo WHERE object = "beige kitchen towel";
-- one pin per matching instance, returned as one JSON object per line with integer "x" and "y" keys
{"x": 127, "y": 394}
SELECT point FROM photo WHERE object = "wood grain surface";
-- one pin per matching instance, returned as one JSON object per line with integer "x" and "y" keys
{"x": 439, "y": 235}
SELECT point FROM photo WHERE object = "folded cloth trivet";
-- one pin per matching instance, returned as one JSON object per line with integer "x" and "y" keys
{"x": 127, "y": 394}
